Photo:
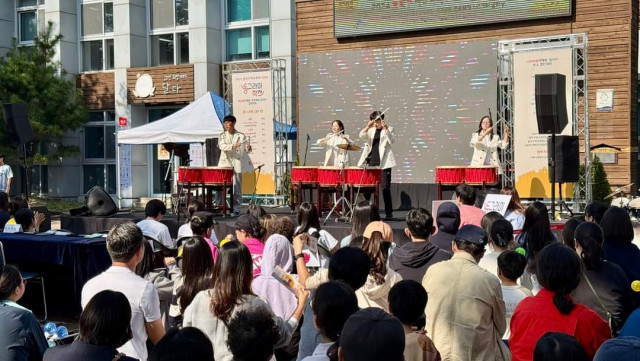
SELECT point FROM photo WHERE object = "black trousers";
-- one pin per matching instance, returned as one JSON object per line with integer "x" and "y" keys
{"x": 385, "y": 184}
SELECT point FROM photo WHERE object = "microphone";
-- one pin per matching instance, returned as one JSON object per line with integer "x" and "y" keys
{"x": 260, "y": 166}
{"x": 308, "y": 137}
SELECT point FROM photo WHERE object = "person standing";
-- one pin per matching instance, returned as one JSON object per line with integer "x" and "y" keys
{"x": 6, "y": 175}
{"x": 234, "y": 147}
{"x": 378, "y": 137}
{"x": 485, "y": 144}
{"x": 331, "y": 142}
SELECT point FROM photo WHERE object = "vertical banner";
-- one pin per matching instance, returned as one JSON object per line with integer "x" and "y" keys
{"x": 530, "y": 147}
{"x": 253, "y": 108}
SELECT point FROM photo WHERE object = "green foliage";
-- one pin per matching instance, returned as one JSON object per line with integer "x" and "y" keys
{"x": 600, "y": 186}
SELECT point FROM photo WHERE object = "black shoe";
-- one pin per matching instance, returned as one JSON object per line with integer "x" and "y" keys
{"x": 389, "y": 219}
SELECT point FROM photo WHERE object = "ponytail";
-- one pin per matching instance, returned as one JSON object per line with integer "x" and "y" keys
{"x": 563, "y": 303}
{"x": 332, "y": 352}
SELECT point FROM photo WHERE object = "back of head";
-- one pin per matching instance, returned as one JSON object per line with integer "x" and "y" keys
{"x": 512, "y": 264}
{"x": 471, "y": 239}
{"x": 420, "y": 223}
{"x": 265, "y": 222}
{"x": 364, "y": 213}
{"x": 466, "y": 193}
{"x": 350, "y": 265}
{"x": 24, "y": 217}
{"x": 232, "y": 277}
{"x": 16, "y": 204}
{"x": 536, "y": 228}
{"x": 251, "y": 225}
{"x": 256, "y": 210}
{"x": 558, "y": 270}
{"x": 194, "y": 206}
{"x": 514, "y": 203}
{"x": 448, "y": 219}
{"x": 501, "y": 233}
{"x": 407, "y": 301}
{"x": 154, "y": 208}
{"x": 488, "y": 219}
{"x": 283, "y": 226}
{"x": 619, "y": 348}
{"x": 123, "y": 241}
{"x": 557, "y": 346}
{"x": 372, "y": 334}
{"x": 146, "y": 265}
{"x": 201, "y": 222}
{"x": 252, "y": 335}
{"x": 188, "y": 343}
{"x": 106, "y": 320}
{"x": 589, "y": 237}
{"x": 616, "y": 226}
{"x": 307, "y": 217}
{"x": 568, "y": 232}
{"x": 10, "y": 279}
{"x": 332, "y": 305}
{"x": 596, "y": 210}
{"x": 197, "y": 267}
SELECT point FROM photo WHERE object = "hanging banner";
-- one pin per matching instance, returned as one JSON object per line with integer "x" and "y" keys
{"x": 253, "y": 109}
{"x": 530, "y": 147}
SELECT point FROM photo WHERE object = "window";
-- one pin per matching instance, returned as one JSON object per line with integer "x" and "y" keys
{"x": 168, "y": 33}
{"x": 247, "y": 30}
{"x": 29, "y": 20}
{"x": 169, "y": 13}
{"x": 97, "y": 35}
{"x": 163, "y": 49}
{"x": 99, "y": 152}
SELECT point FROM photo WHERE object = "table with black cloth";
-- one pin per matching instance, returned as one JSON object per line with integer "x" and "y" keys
{"x": 94, "y": 224}
{"x": 65, "y": 262}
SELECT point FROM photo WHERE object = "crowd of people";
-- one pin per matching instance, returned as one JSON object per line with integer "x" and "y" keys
{"x": 465, "y": 287}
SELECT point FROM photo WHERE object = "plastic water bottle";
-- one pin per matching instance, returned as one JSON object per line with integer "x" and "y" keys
{"x": 62, "y": 332}
{"x": 49, "y": 329}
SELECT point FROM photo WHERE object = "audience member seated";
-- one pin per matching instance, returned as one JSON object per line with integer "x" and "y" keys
{"x": 125, "y": 245}
{"x": 412, "y": 259}
{"x": 28, "y": 219}
{"x": 515, "y": 209}
{"x": 193, "y": 207}
{"x": 619, "y": 348}
{"x": 558, "y": 346}
{"x": 552, "y": 309}
{"x": 466, "y": 301}
{"x": 202, "y": 226}
{"x": 256, "y": 210}
{"x": 186, "y": 344}
{"x": 372, "y": 334}
{"x": 488, "y": 219}
{"x": 568, "y": 232}
{"x": 618, "y": 235}
{"x": 283, "y": 226}
{"x": 407, "y": 301}
{"x": 511, "y": 265}
{"x": 333, "y": 303}
{"x": 364, "y": 213}
{"x": 500, "y": 240}
{"x": 197, "y": 265}
{"x": 603, "y": 286}
{"x": 536, "y": 234}
{"x": 21, "y": 337}
{"x": 104, "y": 327}
{"x": 466, "y": 199}
{"x": 309, "y": 223}
{"x": 151, "y": 226}
{"x": 211, "y": 310}
{"x": 448, "y": 223}
{"x": 252, "y": 335}
{"x": 249, "y": 232}
{"x": 163, "y": 278}
{"x": 4, "y": 209}
{"x": 595, "y": 211}
{"x": 265, "y": 222}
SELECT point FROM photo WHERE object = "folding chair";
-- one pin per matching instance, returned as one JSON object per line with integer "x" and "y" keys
{"x": 29, "y": 276}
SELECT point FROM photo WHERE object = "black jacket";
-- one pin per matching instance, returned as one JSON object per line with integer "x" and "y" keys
{"x": 80, "y": 351}
{"x": 413, "y": 259}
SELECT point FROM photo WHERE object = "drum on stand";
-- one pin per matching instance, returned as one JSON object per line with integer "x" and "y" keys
{"x": 634, "y": 208}
{"x": 621, "y": 202}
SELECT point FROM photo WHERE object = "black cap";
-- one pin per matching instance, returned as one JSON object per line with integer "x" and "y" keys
{"x": 372, "y": 334}
{"x": 247, "y": 223}
{"x": 472, "y": 234}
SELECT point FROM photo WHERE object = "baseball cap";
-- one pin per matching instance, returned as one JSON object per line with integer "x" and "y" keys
{"x": 372, "y": 334}
{"x": 472, "y": 234}
{"x": 379, "y": 226}
{"x": 620, "y": 348}
{"x": 247, "y": 223}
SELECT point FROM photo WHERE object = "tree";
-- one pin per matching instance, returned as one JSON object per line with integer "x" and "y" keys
{"x": 30, "y": 75}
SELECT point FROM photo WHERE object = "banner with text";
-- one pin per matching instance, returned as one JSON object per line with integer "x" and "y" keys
{"x": 253, "y": 107}
{"x": 530, "y": 147}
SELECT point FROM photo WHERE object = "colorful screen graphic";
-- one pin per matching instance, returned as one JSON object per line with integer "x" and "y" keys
{"x": 366, "y": 17}
{"x": 436, "y": 95}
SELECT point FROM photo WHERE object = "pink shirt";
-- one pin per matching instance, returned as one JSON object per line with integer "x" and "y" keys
{"x": 256, "y": 248}
{"x": 470, "y": 215}
{"x": 214, "y": 249}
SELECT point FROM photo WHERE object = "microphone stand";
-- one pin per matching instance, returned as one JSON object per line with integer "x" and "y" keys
{"x": 255, "y": 185}
{"x": 305, "y": 151}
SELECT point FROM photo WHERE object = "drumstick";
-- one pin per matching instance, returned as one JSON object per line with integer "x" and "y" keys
{"x": 380, "y": 115}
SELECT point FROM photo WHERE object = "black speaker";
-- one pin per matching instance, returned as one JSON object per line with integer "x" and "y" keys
{"x": 99, "y": 202}
{"x": 16, "y": 122}
{"x": 213, "y": 152}
{"x": 551, "y": 103}
{"x": 567, "y": 158}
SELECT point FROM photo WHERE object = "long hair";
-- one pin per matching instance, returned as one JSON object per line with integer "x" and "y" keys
{"x": 232, "y": 277}
{"x": 363, "y": 214}
{"x": 307, "y": 218}
{"x": 197, "y": 267}
{"x": 373, "y": 247}
{"x": 146, "y": 265}
{"x": 616, "y": 226}
{"x": 106, "y": 320}
{"x": 536, "y": 231}
{"x": 480, "y": 125}
{"x": 558, "y": 270}
{"x": 589, "y": 236}
{"x": 340, "y": 124}
{"x": 514, "y": 203}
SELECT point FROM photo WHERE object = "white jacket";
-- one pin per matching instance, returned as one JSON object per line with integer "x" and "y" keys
{"x": 387, "y": 160}
{"x": 340, "y": 156}
{"x": 236, "y": 158}
{"x": 480, "y": 150}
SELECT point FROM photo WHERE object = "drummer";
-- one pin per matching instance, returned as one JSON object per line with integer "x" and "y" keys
{"x": 234, "y": 148}
{"x": 331, "y": 142}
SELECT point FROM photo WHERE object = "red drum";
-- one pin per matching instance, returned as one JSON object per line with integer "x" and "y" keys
{"x": 484, "y": 174}
{"x": 217, "y": 175}
{"x": 363, "y": 177}
{"x": 453, "y": 175}
{"x": 189, "y": 175}
{"x": 330, "y": 176}
{"x": 304, "y": 174}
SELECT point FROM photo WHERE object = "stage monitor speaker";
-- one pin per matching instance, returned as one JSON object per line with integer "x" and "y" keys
{"x": 551, "y": 103}
{"x": 567, "y": 158}
{"x": 100, "y": 202}
{"x": 16, "y": 122}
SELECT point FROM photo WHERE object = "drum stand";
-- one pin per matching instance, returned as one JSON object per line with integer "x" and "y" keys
{"x": 342, "y": 201}
{"x": 355, "y": 201}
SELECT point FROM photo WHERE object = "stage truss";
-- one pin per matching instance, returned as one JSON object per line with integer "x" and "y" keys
{"x": 506, "y": 112}
{"x": 279, "y": 86}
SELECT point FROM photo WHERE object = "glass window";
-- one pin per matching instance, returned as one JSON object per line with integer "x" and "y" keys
{"x": 162, "y": 49}
{"x": 238, "y": 10}
{"x": 239, "y": 44}
{"x": 95, "y": 117}
{"x": 92, "y": 19}
{"x": 28, "y": 25}
{"x": 262, "y": 42}
{"x": 184, "y": 48}
{"x": 111, "y": 178}
{"x": 108, "y": 17}
{"x": 23, "y": 3}
{"x": 108, "y": 56}
{"x": 162, "y": 14}
{"x": 182, "y": 12}
{"x": 92, "y": 55}
{"x": 93, "y": 176}
{"x": 94, "y": 142}
{"x": 260, "y": 9}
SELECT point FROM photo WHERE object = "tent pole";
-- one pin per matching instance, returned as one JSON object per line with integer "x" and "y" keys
{"x": 118, "y": 185}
